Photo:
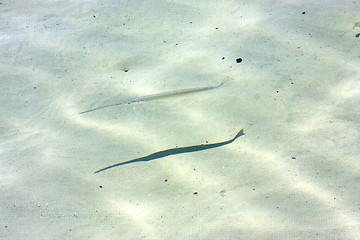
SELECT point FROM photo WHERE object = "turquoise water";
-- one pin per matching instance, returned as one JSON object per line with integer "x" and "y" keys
{"x": 293, "y": 175}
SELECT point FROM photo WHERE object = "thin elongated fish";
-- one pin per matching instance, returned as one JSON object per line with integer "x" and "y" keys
{"x": 158, "y": 95}
{"x": 173, "y": 151}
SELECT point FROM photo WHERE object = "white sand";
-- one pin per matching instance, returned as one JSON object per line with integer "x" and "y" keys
{"x": 296, "y": 94}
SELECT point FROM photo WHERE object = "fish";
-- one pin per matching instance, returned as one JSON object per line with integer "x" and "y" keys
{"x": 159, "y": 95}
{"x": 174, "y": 151}
{"x": 356, "y": 24}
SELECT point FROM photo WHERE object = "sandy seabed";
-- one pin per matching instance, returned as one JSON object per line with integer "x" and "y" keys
{"x": 296, "y": 93}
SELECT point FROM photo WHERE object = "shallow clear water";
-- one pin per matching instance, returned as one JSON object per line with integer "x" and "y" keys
{"x": 294, "y": 174}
